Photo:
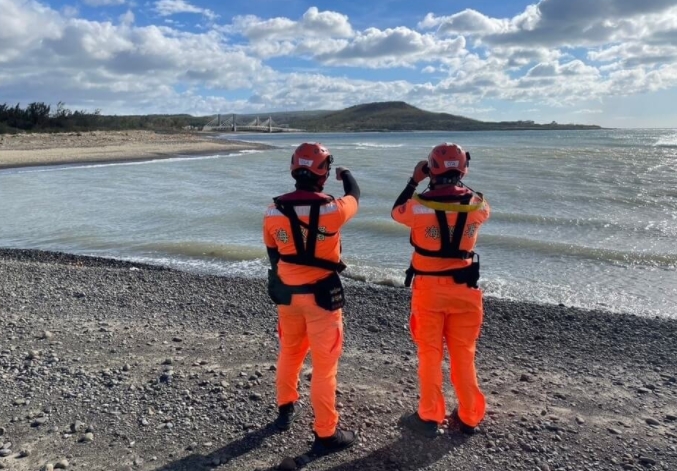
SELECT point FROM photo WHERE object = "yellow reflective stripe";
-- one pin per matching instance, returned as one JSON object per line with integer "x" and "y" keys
{"x": 455, "y": 207}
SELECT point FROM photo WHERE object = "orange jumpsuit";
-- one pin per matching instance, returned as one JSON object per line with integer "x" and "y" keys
{"x": 444, "y": 311}
{"x": 303, "y": 325}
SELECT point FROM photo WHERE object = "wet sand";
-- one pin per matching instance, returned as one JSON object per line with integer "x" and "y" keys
{"x": 24, "y": 150}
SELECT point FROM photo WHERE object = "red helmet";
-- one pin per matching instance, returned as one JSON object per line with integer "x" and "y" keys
{"x": 447, "y": 157}
{"x": 312, "y": 157}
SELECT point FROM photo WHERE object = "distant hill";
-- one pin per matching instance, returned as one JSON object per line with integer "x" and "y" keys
{"x": 400, "y": 116}
{"x": 380, "y": 116}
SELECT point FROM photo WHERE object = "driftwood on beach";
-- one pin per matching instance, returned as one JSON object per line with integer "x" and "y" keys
{"x": 113, "y": 365}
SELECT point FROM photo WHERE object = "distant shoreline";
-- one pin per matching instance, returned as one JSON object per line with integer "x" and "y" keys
{"x": 31, "y": 150}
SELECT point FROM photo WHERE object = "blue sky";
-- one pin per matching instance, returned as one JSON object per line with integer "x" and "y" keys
{"x": 608, "y": 62}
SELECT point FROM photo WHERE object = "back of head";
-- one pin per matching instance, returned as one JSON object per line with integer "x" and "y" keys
{"x": 310, "y": 166}
{"x": 447, "y": 164}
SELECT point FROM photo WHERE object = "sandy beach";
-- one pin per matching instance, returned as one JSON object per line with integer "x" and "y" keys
{"x": 23, "y": 150}
{"x": 109, "y": 365}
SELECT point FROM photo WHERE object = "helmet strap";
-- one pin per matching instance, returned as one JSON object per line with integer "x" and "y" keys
{"x": 447, "y": 179}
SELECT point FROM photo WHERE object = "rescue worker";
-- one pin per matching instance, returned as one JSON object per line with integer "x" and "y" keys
{"x": 301, "y": 231}
{"x": 446, "y": 304}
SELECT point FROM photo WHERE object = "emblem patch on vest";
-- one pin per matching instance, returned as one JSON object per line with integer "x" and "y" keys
{"x": 282, "y": 236}
{"x": 470, "y": 230}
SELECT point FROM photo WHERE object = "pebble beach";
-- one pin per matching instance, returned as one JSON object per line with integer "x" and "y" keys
{"x": 110, "y": 365}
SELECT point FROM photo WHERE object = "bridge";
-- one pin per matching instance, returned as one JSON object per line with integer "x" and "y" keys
{"x": 231, "y": 124}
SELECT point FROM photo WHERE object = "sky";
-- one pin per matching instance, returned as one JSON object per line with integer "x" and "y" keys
{"x": 606, "y": 62}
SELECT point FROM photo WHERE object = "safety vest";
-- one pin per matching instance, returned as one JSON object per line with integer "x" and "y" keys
{"x": 305, "y": 252}
{"x": 450, "y": 243}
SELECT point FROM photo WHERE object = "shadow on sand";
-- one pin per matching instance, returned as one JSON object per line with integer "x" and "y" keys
{"x": 408, "y": 452}
{"x": 224, "y": 455}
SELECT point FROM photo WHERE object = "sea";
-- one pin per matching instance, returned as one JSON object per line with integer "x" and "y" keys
{"x": 580, "y": 218}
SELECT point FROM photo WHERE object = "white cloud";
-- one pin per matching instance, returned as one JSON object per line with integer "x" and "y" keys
{"x": 468, "y": 61}
{"x": 70, "y": 11}
{"x": 466, "y": 22}
{"x": 552, "y": 69}
{"x": 16, "y": 32}
{"x": 80, "y": 60}
{"x": 101, "y": 3}
{"x": 313, "y": 24}
{"x": 127, "y": 18}
{"x": 393, "y": 47}
{"x": 174, "y": 7}
{"x": 582, "y": 23}
{"x": 587, "y": 111}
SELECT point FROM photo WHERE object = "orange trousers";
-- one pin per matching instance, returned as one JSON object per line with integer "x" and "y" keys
{"x": 445, "y": 312}
{"x": 305, "y": 326}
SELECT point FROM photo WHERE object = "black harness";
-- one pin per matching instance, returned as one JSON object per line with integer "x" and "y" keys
{"x": 450, "y": 248}
{"x": 328, "y": 291}
{"x": 305, "y": 253}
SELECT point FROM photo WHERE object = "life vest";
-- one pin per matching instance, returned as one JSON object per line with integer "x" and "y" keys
{"x": 305, "y": 252}
{"x": 328, "y": 291}
{"x": 450, "y": 243}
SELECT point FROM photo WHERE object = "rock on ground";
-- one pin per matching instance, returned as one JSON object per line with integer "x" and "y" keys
{"x": 118, "y": 366}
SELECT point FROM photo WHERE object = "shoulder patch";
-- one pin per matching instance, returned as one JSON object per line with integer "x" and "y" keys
{"x": 420, "y": 209}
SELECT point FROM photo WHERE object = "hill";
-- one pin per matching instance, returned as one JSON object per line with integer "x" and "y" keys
{"x": 379, "y": 116}
{"x": 400, "y": 116}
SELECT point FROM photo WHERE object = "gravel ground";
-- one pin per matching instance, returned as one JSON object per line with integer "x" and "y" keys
{"x": 108, "y": 365}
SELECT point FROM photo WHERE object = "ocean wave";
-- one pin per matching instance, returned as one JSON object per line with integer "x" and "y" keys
{"x": 669, "y": 142}
{"x": 226, "y": 252}
{"x": 89, "y": 166}
{"x": 548, "y": 220}
{"x": 668, "y": 260}
{"x": 378, "y": 226}
{"x": 256, "y": 269}
{"x": 377, "y": 146}
{"x": 657, "y": 227}
{"x": 554, "y": 294}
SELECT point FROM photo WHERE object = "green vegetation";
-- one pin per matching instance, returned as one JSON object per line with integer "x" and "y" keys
{"x": 39, "y": 117}
{"x": 400, "y": 116}
{"x": 382, "y": 116}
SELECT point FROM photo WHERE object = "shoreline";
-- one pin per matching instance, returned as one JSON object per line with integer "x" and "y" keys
{"x": 97, "y": 260}
{"x": 34, "y": 150}
{"x": 175, "y": 371}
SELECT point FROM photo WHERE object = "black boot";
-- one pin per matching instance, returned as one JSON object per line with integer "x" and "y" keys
{"x": 287, "y": 414}
{"x": 464, "y": 428}
{"x": 416, "y": 424}
{"x": 341, "y": 440}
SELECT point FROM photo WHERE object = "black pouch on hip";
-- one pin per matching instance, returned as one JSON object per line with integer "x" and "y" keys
{"x": 329, "y": 293}
{"x": 278, "y": 291}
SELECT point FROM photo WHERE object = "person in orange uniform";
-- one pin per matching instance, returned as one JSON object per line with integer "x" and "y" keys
{"x": 301, "y": 231}
{"x": 446, "y": 304}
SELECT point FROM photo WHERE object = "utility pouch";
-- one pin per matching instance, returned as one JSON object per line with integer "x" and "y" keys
{"x": 329, "y": 293}
{"x": 469, "y": 275}
{"x": 409, "y": 276}
{"x": 279, "y": 293}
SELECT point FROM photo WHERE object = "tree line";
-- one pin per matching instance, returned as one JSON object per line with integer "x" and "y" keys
{"x": 40, "y": 117}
